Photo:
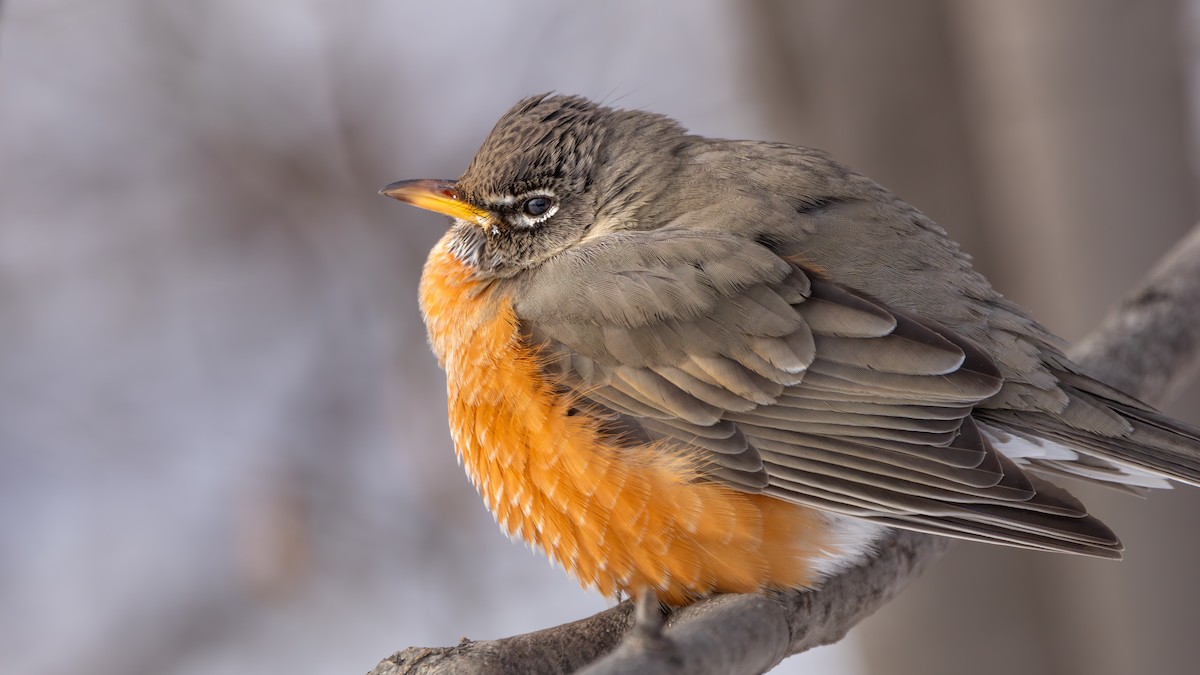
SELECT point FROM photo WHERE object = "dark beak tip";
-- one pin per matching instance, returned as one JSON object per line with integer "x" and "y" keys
{"x": 431, "y": 185}
{"x": 386, "y": 190}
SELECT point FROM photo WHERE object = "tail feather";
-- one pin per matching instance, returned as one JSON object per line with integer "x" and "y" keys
{"x": 1152, "y": 442}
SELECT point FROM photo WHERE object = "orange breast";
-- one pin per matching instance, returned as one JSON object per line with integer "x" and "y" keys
{"x": 616, "y": 518}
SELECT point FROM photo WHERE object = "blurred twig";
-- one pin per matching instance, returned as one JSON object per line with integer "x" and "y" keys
{"x": 1147, "y": 345}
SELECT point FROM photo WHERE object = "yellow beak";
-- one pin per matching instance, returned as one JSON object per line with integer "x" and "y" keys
{"x": 436, "y": 195}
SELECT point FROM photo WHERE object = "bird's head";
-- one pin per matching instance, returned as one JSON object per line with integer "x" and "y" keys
{"x": 554, "y": 171}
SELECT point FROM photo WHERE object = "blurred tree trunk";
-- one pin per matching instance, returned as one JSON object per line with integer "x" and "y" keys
{"x": 1050, "y": 140}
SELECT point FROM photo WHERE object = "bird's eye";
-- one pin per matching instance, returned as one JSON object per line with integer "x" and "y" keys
{"x": 536, "y": 206}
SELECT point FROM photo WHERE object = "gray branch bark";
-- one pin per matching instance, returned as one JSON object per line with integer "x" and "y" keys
{"x": 1147, "y": 345}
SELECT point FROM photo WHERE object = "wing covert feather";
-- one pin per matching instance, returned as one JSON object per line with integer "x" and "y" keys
{"x": 780, "y": 381}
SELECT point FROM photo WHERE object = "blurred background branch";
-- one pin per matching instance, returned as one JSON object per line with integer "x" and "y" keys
{"x": 221, "y": 430}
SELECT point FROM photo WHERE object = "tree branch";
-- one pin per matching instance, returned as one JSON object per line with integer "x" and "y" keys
{"x": 1147, "y": 345}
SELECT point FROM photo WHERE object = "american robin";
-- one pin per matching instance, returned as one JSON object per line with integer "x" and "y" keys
{"x": 682, "y": 365}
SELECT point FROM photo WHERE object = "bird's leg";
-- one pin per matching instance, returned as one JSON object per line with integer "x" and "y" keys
{"x": 648, "y": 615}
{"x": 647, "y": 635}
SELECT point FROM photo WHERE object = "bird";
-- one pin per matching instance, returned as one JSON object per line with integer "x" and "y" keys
{"x": 682, "y": 366}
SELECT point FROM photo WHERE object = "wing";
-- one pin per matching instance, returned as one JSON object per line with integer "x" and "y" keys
{"x": 782, "y": 382}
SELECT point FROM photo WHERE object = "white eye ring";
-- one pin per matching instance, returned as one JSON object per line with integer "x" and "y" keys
{"x": 544, "y": 203}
